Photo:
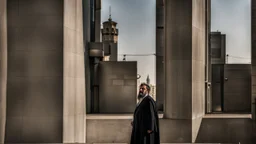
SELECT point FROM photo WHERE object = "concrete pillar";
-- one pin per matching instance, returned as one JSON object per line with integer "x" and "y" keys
{"x": 87, "y": 39}
{"x": 35, "y": 71}
{"x": 160, "y": 54}
{"x": 97, "y": 18}
{"x": 253, "y": 50}
{"x": 74, "y": 106}
{"x": 46, "y": 77}
{"x": 208, "y": 76}
{"x": 3, "y": 67}
{"x": 185, "y": 61}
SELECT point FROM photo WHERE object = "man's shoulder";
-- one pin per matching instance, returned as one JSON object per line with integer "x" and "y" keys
{"x": 149, "y": 99}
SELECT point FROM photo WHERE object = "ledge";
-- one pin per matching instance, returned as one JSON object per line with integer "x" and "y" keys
{"x": 227, "y": 116}
{"x": 160, "y": 115}
{"x": 113, "y": 116}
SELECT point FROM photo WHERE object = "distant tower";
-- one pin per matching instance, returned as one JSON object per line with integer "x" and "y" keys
{"x": 152, "y": 87}
{"x": 110, "y": 38}
{"x": 148, "y": 80}
{"x": 109, "y": 31}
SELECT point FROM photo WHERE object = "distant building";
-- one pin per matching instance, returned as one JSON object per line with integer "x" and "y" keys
{"x": 109, "y": 31}
{"x": 138, "y": 85}
{"x": 153, "y": 91}
{"x": 152, "y": 88}
{"x": 110, "y": 39}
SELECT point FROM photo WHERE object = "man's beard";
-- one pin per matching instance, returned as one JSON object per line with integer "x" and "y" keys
{"x": 140, "y": 95}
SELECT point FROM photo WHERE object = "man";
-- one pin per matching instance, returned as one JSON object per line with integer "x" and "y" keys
{"x": 145, "y": 119}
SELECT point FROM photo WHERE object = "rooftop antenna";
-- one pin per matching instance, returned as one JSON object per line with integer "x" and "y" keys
{"x": 109, "y": 13}
{"x": 124, "y": 59}
{"x": 227, "y": 58}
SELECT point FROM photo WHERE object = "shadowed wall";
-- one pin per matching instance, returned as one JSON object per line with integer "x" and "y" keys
{"x": 35, "y": 71}
{"x": 117, "y": 87}
{"x": 3, "y": 67}
{"x": 237, "y": 88}
{"x": 119, "y": 130}
{"x": 185, "y": 62}
{"x": 253, "y": 50}
{"x": 160, "y": 54}
{"x": 227, "y": 130}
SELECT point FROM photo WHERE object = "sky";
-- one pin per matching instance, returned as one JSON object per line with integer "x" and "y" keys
{"x": 233, "y": 18}
{"x": 136, "y": 25}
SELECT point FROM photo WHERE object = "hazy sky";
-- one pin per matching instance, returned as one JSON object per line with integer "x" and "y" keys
{"x": 233, "y": 18}
{"x": 136, "y": 24}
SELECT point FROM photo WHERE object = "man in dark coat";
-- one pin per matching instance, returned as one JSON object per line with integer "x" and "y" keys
{"x": 145, "y": 119}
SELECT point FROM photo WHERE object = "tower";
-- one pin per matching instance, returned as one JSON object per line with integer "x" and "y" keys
{"x": 148, "y": 80}
{"x": 109, "y": 31}
{"x": 109, "y": 39}
{"x": 152, "y": 88}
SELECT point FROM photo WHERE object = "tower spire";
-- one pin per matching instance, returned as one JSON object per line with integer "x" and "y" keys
{"x": 109, "y": 14}
{"x": 148, "y": 80}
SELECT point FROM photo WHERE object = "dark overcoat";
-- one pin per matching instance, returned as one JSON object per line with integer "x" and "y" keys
{"x": 145, "y": 118}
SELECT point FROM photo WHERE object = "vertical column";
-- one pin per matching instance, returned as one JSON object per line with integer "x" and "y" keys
{"x": 3, "y": 67}
{"x": 34, "y": 111}
{"x": 97, "y": 20}
{"x": 87, "y": 38}
{"x": 160, "y": 54}
{"x": 178, "y": 59}
{"x": 74, "y": 112}
{"x": 185, "y": 61}
{"x": 208, "y": 57}
{"x": 253, "y": 50}
{"x": 198, "y": 64}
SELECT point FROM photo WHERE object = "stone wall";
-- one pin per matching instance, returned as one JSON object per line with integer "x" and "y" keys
{"x": 74, "y": 101}
{"x": 3, "y": 67}
{"x": 118, "y": 130}
{"x": 35, "y": 71}
{"x": 253, "y": 50}
{"x": 185, "y": 62}
{"x": 198, "y": 64}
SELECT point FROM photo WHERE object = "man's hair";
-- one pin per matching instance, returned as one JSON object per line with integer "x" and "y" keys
{"x": 147, "y": 86}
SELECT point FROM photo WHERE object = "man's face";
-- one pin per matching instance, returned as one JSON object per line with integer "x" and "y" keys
{"x": 143, "y": 91}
